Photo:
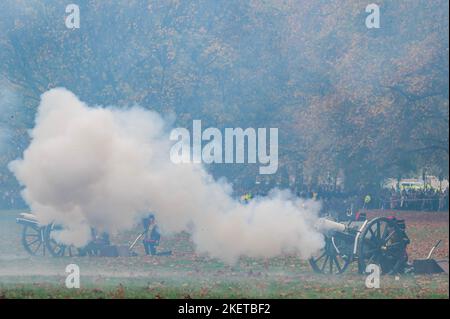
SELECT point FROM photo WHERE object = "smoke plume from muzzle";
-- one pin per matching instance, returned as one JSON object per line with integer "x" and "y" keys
{"x": 106, "y": 168}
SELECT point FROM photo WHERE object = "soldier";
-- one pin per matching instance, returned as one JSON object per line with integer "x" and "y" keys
{"x": 246, "y": 198}
{"x": 151, "y": 235}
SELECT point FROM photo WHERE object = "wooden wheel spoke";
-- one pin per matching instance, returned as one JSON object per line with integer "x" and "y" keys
{"x": 37, "y": 248}
{"x": 321, "y": 256}
{"x": 378, "y": 230}
{"x": 324, "y": 263}
{"x": 32, "y": 235}
{"x": 337, "y": 264}
{"x": 385, "y": 240}
{"x": 331, "y": 265}
{"x": 385, "y": 232}
{"x": 34, "y": 241}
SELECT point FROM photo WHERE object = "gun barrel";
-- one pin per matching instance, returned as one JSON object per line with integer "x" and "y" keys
{"x": 326, "y": 225}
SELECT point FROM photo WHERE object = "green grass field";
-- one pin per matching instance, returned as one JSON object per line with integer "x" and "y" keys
{"x": 188, "y": 275}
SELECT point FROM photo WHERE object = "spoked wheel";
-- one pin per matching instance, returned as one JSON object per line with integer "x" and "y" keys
{"x": 383, "y": 242}
{"x": 33, "y": 239}
{"x": 58, "y": 249}
{"x": 334, "y": 258}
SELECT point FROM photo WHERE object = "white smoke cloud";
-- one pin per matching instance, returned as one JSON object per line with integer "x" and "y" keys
{"x": 106, "y": 168}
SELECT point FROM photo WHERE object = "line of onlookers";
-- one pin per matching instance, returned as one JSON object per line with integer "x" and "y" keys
{"x": 334, "y": 198}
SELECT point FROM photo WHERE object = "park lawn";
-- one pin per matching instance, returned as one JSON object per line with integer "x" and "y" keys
{"x": 351, "y": 286}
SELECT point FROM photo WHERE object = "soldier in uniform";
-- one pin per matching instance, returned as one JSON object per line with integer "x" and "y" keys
{"x": 151, "y": 235}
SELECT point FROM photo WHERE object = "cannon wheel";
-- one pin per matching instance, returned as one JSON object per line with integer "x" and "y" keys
{"x": 331, "y": 259}
{"x": 57, "y": 249}
{"x": 60, "y": 250}
{"x": 383, "y": 243}
{"x": 33, "y": 239}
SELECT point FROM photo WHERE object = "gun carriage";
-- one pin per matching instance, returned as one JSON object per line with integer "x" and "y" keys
{"x": 39, "y": 239}
{"x": 381, "y": 241}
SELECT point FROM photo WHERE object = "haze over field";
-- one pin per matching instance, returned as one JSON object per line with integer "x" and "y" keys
{"x": 106, "y": 168}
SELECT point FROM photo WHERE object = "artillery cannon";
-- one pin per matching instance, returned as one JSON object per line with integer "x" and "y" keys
{"x": 380, "y": 241}
{"x": 38, "y": 240}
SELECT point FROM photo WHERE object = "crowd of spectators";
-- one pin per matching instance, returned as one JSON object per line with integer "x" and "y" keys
{"x": 424, "y": 199}
{"x": 335, "y": 198}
